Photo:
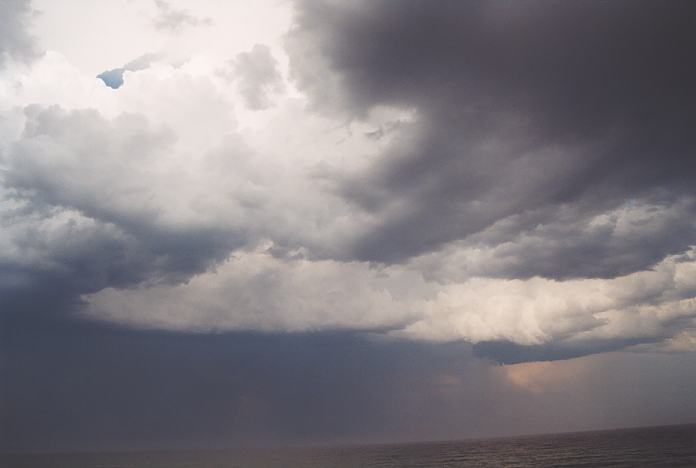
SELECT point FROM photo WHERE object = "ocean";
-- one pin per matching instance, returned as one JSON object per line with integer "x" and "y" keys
{"x": 673, "y": 446}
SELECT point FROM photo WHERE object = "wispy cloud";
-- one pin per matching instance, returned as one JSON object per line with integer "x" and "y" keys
{"x": 172, "y": 19}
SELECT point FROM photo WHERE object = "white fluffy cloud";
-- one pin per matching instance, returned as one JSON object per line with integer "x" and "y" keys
{"x": 257, "y": 291}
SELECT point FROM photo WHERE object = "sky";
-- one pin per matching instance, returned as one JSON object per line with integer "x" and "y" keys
{"x": 317, "y": 222}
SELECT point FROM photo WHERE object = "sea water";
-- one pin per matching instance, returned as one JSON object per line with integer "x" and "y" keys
{"x": 673, "y": 446}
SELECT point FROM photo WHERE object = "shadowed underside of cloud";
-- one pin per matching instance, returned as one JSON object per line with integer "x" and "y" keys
{"x": 509, "y": 320}
{"x": 80, "y": 212}
{"x": 97, "y": 387}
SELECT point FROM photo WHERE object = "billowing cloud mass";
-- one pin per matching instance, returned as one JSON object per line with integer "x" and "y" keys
{"x": 516, "y": 177}
{"x": 527, "y": 116}
{"x": 258, "y": 76}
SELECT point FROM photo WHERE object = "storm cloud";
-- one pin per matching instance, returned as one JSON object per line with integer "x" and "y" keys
{"x": 399, "y": 214}
{"x": 524, "y": 113}
{"x": 78, "y": 218}
{"x": 476, "y": 171}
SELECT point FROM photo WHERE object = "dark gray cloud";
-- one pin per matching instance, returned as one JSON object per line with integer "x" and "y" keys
{"x": 65, "y": 233}
{"x": 549, "y": 106}
{"x": 577, "y": 242}
{"x": 257, "y": 75}
{"x": 174, "y": 19}
{"x": 506, "y": 352}
{"x": 15, "y": 41}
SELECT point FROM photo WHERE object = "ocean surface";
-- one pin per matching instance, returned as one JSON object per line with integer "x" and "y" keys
{"x": 656, "y": 446}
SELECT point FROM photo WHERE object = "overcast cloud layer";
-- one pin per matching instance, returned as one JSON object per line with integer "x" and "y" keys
{"x": 516, "y": 177}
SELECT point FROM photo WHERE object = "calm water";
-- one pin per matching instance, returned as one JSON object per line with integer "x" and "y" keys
{"x": 660, "y": 446}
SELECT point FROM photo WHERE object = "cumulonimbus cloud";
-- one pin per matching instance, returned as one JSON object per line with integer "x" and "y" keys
{"x": 519, "y": 178}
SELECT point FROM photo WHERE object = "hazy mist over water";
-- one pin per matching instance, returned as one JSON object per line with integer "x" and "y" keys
{"x": 673, "y": 446}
